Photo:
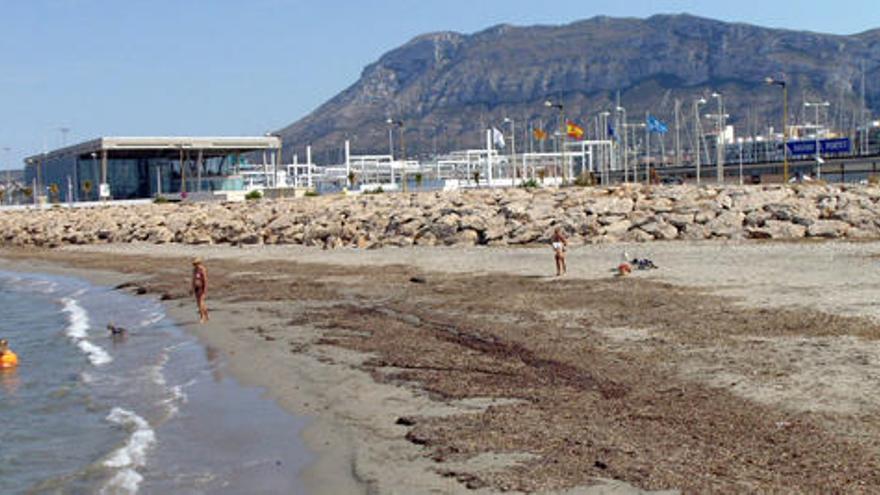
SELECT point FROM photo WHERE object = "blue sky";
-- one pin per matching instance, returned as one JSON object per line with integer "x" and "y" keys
{"x": 223, "y": 67}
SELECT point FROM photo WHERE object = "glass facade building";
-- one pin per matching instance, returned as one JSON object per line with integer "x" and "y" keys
{"x": 139, "y": 168}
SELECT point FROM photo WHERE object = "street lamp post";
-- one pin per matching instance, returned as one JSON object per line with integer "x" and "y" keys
{"x": 512, "y": 150}
{"x": 625, "y": 144}
{"x": 622, "y": 111}
{"x": 740, "y": 141}
{"x": 719, "y": 165}
{"x": 399, "y": 125}
{"x": 816, "y": 106}
{"x": 698, "y": 132}
{"x": 603, "y": 154}
{"x": 775, "y": 82}
{"x": 562, "y": 133}
{"x": 391, "y": 141}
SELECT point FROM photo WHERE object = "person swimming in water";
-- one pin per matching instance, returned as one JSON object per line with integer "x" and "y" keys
{"x": 116, "y": 331}
{"x": 200, "y": 288}
{"x": 8, "y": 359}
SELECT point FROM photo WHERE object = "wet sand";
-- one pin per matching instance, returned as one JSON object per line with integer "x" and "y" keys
{"x": 732, "y": 368}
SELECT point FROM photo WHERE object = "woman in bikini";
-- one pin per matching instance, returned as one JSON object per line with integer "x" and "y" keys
{"x": 559, "y": 243}
{"x": 200, "y": 288}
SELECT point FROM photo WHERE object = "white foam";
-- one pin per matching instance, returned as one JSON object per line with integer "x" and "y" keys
{"x": 152, "y": 319}
{"x": 176, "y": 396}
{"x": 131, "y": 456}
{"x": 125, "y": 481}
{"x": 79, "y": 319}
{"x": 77, "y": 330}
{"x": 97, "y": 355}
{"x": 156, "y": 371}
{"x": 45, "y": 286}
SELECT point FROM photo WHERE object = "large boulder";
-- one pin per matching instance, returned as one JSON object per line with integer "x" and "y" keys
{"x": 830, "y": 229}
{"x": 748, "y": 200}
{"x": 660, "y": 230}
{"x": 637, "y": 235}
{"x": 609, "y": 205}
{"x": 694, "y": 232}
{"x": 617, "y": 228}
{"x": 799, "y": 212}
{"x": 729, "y": 224}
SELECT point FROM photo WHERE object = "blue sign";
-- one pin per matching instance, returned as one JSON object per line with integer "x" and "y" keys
{"x": 841, "y": 145}
{"x": 801, "y": 148}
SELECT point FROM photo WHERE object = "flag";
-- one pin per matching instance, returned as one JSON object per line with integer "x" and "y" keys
{"x": 540, "y": 134}
{"x": 497, "y": 138}
{"x": 656, "y": 126}
{"x": 611, "y": 132}
{"x": 574, "y": 131}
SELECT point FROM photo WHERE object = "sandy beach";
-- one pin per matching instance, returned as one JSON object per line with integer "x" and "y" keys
{"x": 734, "y": 367}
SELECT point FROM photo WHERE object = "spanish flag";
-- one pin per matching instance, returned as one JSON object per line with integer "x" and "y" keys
{"x": 574, "y": 131}
{"x": 540, "y": 134}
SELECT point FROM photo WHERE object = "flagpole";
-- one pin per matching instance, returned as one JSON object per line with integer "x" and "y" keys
{"x": 647, "y": 149}
{"x": 677, "y": 133}
{"x": 563, "y": 141}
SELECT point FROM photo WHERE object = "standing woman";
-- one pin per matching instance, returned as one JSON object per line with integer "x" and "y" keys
{"x": 200, "y": 287}
{"x": 559, "y": 243}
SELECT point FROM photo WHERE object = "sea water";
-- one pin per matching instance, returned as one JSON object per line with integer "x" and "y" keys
{"x": 150, "y": 412}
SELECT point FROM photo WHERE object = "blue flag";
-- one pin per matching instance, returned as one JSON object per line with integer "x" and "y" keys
{"x": 611, "y": 132}
{"x": 656, "y": 126}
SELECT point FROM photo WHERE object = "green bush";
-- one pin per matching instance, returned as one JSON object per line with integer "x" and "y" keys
{"x": 160, "y": 200}
{"x": 529, "y": 184}
{"x": 586, "y": 179}
{"x": 254, "y": 196}
{"x": 311, "y": 193}
{"x": 378, "y": 190}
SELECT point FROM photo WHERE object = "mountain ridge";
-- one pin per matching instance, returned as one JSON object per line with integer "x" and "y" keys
{"x": 447, "y": 86}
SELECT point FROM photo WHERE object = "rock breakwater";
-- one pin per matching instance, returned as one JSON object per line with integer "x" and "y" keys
{"x": 627, "y": 213}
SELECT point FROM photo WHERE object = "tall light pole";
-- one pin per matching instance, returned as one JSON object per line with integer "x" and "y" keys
{"x": 603, "y": 116}
{"x": 399, "y": 125}
{"x": 774, "y": 82}
{"x": 625, "y": 144}
{"x": 719, "y": 165}
{"x": 740, "y": 141}
{"x": 512, "y": 149}
{"x": 390, "y": 140}
{"x": 816, "y": 106}
{"x": 697, "y": 132}
{"x": 562, "y": 133}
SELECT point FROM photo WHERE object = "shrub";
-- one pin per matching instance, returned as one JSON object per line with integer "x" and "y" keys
{"x": 378, "y": 190}
{"x": 311, "y": 193}
{"x": 254, "y": 195}
{"x": 586, "y": 179}
{"x": 160, "y": 200}
{"x": 529, "y": 184}
{"x": 542, "y": 174}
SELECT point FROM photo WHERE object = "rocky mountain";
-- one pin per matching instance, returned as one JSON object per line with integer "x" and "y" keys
{"x": 447, "y": 87}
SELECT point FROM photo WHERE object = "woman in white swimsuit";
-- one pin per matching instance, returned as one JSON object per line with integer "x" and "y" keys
{"x": 559, "y": 243}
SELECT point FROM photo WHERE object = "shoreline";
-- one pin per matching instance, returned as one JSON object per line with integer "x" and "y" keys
{"x": 314, "y": 359}
{"x": 331, "y": 457}
{"x": 348, "y": 458}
